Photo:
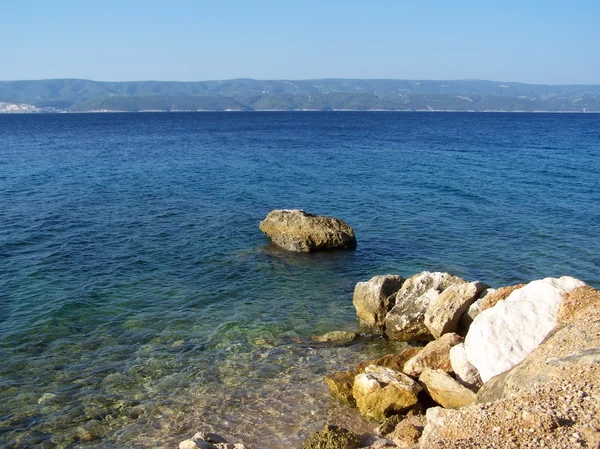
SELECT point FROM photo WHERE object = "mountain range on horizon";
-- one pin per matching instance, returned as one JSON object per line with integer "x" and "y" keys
{"x": 79, "y": 95}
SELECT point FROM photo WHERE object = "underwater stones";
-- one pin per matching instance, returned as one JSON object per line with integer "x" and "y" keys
{"x": 208, "y": 440}
{"x": 373, "y": 299}
{"x": 336, "y": 337}
{"x": 443, "y": 315}
{"x": 194, "y": 444}
{"x": 504, "y": 335}
{"x": 405, "y": 321}
{"x": 47, "y": 398}
{"x": 332, "y": 437}
{"x": 340, "y": 386}
{"x": 444, "y": 390}
{"x": 380, "y": 392}
{"x": 299, "y": 231}
{"x": 435, "y": 355}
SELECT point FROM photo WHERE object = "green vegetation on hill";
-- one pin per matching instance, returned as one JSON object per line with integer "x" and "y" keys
{"x": 158, "y": 103}
{"x": 325, "y": 94}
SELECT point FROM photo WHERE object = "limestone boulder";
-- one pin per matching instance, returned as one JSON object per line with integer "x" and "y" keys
{"x": 405, "y": 321}
{"x": 474, "y": 309}
{"x": 444, "y": 390}
{"x": 380, "y": 392}
{"x": 374, "y": 298}
{"x": 443, "y": 315}
{"x": 340, "y": 383}
{"x": 501, "y": 337}
{"x": 464, "y": 370}
{"x": 436, "y": 355}
{"x": 340, "y": 386}
{"x": 573, "y": 346}
{"x": 299, "y": 231}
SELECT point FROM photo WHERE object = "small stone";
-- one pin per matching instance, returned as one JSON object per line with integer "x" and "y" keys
{"x": 209, "y": 437}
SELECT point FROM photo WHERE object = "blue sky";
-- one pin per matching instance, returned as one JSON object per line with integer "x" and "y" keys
{"x": 552, "y": 42}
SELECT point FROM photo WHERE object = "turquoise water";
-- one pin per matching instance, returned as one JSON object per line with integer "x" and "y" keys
{"x": 139, "y": 302}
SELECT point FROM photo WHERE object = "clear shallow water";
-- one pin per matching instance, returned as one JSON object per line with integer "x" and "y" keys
{"x": 139, "y": 302}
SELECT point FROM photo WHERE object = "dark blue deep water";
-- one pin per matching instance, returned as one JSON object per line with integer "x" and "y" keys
{"x": 140, "y": 303}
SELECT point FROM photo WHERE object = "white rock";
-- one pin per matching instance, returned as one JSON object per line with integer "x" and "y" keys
{"x": 504, "y": 335}
{"x": 463, "y": 369}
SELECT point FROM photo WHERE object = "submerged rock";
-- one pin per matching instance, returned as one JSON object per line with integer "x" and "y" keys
{"x": 380, "y": 392}
{"x": 405, "y": 321}
{"x": 374, "y": 298}
{"x": 504, "y": 335}
{"x": 299, "y": 231}
{"x": 336, "y": 337}
{"x": 332, "y": 437}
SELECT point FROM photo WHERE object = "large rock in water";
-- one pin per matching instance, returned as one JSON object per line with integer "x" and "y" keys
{"x": 373, "y": 299}
{"x": 405, "y": 321}
{"x": 381, "y": 392}
{"x": 504, "y": 335}
{"x": 296, "y": 230}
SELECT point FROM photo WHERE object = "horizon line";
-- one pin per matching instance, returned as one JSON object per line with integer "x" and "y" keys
{"x": 292, "y": 79}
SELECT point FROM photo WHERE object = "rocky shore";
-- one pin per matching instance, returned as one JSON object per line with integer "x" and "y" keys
{"x": 512, "y": 367}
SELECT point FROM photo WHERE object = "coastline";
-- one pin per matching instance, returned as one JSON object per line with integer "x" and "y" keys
{"x": 298, "y": 110}
{"x": 516, "y": 407}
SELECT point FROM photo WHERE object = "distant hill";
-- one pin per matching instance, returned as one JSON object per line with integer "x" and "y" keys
{"x": 77, "y": 95}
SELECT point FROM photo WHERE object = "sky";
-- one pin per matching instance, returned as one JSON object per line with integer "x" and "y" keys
{"x": 535, "y": 41}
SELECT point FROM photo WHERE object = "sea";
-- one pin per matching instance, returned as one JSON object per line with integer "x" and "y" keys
{"x": 140, "y": 303}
